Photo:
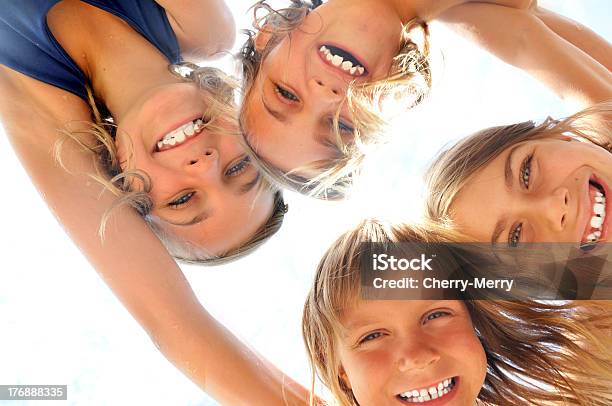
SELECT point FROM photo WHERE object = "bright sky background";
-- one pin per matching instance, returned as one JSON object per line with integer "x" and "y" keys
{"x": 61, "y": 325}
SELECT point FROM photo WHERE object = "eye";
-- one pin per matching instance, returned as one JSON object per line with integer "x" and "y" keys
{"x": 370, "y": 337}
{"x": 515, "y": 235}
{"x": 343, "y": 127}
{"x": 286, "y": 94}
{"x": 239, "y": 167}
{"x": 181, "y": 200}
{"x": 435, "y": 315}
{"x": 525, "y": 172}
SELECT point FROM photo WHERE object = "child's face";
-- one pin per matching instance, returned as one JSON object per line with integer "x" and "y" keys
{"x": 289, "y": 111}
{"x": 399, "y": 352}
{"x": 203, "y": 187}
{"x": 538, "y": 191}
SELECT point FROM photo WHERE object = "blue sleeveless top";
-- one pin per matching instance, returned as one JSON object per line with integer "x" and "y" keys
{"x": 28, "y": 46}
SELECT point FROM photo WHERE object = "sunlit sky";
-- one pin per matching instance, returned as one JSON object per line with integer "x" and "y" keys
{"x": 62, "y": 325}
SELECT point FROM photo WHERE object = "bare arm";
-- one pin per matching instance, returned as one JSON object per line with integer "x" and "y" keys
{"x": 204, "y": 28}
{"x": 579, "y": 35}
{"x": 131, "y": 260}
{"x": 527, "y": 43}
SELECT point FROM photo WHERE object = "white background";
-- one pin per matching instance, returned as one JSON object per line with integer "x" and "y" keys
{"x": 59, "y": 324}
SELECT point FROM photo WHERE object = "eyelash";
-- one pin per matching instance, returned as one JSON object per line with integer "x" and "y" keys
{"x": 376, "y": 334}
{"x": 514, "y": 236}
{"x": 437, "y": 314}
{"x": 181, "y": 200}
{"x": 525, "y": 172}
{"x": 238, "y": 168}
{"x": 286, "y": 94}
{"x": 370, "y": 337}
{"x": 342, "y": 127}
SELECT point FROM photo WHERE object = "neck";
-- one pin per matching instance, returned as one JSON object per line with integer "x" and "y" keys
{"x": 121, "y": 65}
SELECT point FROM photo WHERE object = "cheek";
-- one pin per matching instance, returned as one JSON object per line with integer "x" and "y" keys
{"x": 471, "y": 358}
{"x": 367, "y": 373}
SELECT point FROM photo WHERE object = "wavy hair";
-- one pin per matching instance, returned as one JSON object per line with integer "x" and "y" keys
{"x": 537, "y": 353}
{"x": 407, "y": 83}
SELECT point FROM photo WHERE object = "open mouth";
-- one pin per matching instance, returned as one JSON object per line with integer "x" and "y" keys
{"x": 595, "y": 227}
{"x": 180, "y": 135}
{"x": 343, "y": 60}
{"x": 441, "y": 390}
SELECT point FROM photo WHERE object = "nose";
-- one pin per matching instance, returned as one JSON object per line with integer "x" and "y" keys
{"x": 553, "y": 209}
{"x": 327, "y": 89}
{"x": 203, "y": 163}
{"x": 415, "y": 354}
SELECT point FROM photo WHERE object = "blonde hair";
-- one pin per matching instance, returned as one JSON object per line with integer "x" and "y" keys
{"x": 455, "y": 166}
{"x": 98, "y": 139}
{"x": 407, "y": 83}
{"x": 529, "y": 345}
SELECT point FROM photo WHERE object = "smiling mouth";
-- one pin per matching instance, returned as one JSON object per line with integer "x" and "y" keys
{"x": 440, "y": 390}
{"x": 593, "y": 230}
{"x": 343, "y": 60}
{"x": 180, "y": 135}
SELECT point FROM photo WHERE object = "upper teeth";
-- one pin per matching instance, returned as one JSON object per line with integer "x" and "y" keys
{"x": 182, "y": 133}
{"x": 338, "y": 61}
{"x": 599, "y": 212}
{"x": 427, "y": 394}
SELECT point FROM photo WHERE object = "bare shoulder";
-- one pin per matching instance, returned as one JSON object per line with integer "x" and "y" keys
{"x": 45, "y": 109}
{"x": 204, "y": 28}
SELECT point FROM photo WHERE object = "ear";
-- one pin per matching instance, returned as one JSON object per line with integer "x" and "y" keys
{"x": 262, "y": 38}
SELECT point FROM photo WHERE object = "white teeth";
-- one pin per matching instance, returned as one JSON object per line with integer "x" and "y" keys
{"x": 591, "y": 237}
{"x": 180, "y": 137}
{"x": 599, "y": 208}
{"x": 600, "y": 199}
{"x": 160, "y": 145}
{"x": 596, "y": 222}
{"x": 427, "y": 394}
{"x": 189, "y": 131}
{"x": 599, "y": 194}
{"x": 347, "y": 65}
{"x": 338, "y": 61}
{"x": 597, "y": 234}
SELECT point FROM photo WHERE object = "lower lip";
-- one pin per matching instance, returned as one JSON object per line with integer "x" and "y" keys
{"x": 439, "y": 401}
{"x": 174, "y": 127}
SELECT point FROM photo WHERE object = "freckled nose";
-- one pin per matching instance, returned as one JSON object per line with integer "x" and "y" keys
{"x": 416, "y": 355}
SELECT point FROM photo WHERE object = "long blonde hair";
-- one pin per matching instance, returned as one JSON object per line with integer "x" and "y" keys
{"x": 455, "y": 166}
{"x": 530, "y": 346}
{"x": 98, "y": 139}
{"x": 407, "y": 83}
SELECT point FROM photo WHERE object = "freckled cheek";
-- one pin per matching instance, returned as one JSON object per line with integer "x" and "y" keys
{"x": 368, "y": 372}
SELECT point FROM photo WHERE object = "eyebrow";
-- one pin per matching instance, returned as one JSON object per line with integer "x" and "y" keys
{"x": 508, "y": 180}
